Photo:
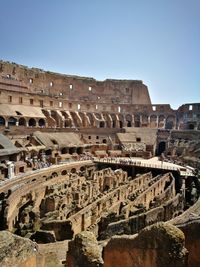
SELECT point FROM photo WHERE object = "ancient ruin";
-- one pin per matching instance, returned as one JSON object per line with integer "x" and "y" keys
{"x": 95, "y": 171}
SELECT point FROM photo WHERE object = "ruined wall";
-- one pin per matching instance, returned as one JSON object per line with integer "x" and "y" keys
{"x": 63, "y": 101}
{"x": 155, "y": 246}
{"x": 192, "y": 241}
{"x": 72, "y": 87}
{"x": 16, "y": 251}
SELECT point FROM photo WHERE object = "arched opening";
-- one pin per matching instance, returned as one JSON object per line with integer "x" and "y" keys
{"x": 2, "y": 121}
{"x": 102, "y": 124}
{"x": 129, "y": 120}
{"x": 170, "y": 122}
{"x": 144, "y": 121}
{"x": 84, "y": 119}
{"x": 80, "y": 150}
{"x": 191, "y": 126}
{"x": 64, "y": 150}
{"x": 48, "y": 152}
{"x": 153, "y": 121}
{"x": 72, "y": 150}
{"x": 12, "y": 121}
{"x": 120, "y": 124}
{"x": 91, "y": 119}
{"x": 64, "y": 172}
{"x": 113, "y": 124}
{"x": 41, "y": 122}
{"x": 54, "y": 174}
{"x": 104, "y": 141}
{"x": 129, "y": 124}
{"x": 169, "y": 125}
{"x": 82, "y": 168}
{"x": 137, "y": 121}
{"x": 161, "y": 121}
{"x": 22, "y": 122}
{"x": 32, "y": 122}
{"x": 161, "y": 147}
{"x": 67, "y": 123}
{"x": 73, "y": 170}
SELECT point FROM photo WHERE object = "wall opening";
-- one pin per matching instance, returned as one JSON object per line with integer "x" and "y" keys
{"x": 2, "y": 121}
{"x": 161, "y": 147}
{"x": 32, "y": 122}
{"x": 102, "y": 124}
{"x": 12, "y": 121}
{"x": 22, "y": 122}
{"x": 41, "y": 122}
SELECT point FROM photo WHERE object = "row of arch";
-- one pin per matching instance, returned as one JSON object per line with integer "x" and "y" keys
{"x": 64, "y": 119}
{"x": 31, "y": 122}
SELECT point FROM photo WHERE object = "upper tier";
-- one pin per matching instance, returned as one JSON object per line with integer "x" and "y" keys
{"x": 31, "y": 80}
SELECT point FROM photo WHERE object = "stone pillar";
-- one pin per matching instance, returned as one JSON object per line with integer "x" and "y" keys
{"x": 149, "y": 119}
{"x": 140, "y": 120}
{"x": 6, "y": 122}
{"x": 157, "y": 122}
{"x": 11, "y": 172}
{"x": 164, "y": 122}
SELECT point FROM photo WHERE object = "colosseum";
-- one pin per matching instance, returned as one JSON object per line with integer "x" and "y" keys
{"x": 93, "y": 174}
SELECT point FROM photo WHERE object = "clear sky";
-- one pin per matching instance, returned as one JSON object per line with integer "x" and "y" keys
{"x": 157, "y": 41}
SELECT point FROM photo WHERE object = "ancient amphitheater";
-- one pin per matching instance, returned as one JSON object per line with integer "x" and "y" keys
{"x": 93, "y": 174}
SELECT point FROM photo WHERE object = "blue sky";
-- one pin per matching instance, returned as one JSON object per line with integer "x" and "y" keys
{"x": 157, "y": 41}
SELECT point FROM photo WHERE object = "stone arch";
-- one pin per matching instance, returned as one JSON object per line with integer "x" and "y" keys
{"x": 12, "y": 121}
{"x": 121, "y": 121}
{"x": 102, "y": 124}
{"x": 137, "y": 120}
{"x": 79, "y": 150}
{"x": 128, "y": 120}
{"x": 72, "y": 150}
{"x": 170, "y": 122}
{"x": 76, "y": 118}
{"x": 153, "y": 121}
{"x": 48, "y": 152}
{"x": 64, "y": 150}
{"x": 64, "y": 172}
{"x": 82, "y": 168}
{"x": 2, "y": 121}
{"x": 121, "y": 125}
{"x": 22, "y": 121}
{"x": 41, "y": 122}
{"x": 98, "y": 116}
{"x": 91, "y": 119}
{"x": 191, "y": 126}
{"x": 54, "y": 174}
{"x": 73, "y": 170}
{"x": 161, "y": 121}
{"x": 32, "y": 122}
{"x": 68, "y": 123}
{"x": 57, "y": 118}
{"x": 114, "y": 120}
{"x": 108, "y": 120}
{"x": 145, "y": 120}
{"x": 84, "y": 119}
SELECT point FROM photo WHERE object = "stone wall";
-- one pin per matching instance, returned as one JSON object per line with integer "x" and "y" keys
{"x": 64, "y": 101}
{"x": 159, "y": 245}
{"x": 17, "y": 251}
